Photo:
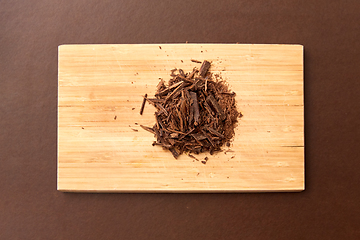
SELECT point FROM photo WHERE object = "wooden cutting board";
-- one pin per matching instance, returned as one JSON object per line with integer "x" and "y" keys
{"x": 102, "y": 148}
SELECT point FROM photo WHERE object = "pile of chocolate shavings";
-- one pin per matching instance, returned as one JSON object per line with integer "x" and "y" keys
{"x": 196, "y": 112}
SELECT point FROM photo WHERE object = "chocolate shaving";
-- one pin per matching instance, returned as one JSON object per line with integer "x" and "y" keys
{"x": 165, "y": 91}
{"x": 182, "y": 74}
{"x": 163, "y": 110}
{"x": 195, "y": 61}
{"x": 143, "y": 105}
{"x": 213, "y": 131}
{"x": 174, "y": 152}
{"x": 154, "y": 100}
{"x": 204, "y": 68}
{"x": 196, "y": 112}
{"x": 192, "y": 156}
{"x": 210, "y": 99}
{"x": 195, "y": 105}
{"x": 191, "y": 75}
{"x": 148, "y": 129}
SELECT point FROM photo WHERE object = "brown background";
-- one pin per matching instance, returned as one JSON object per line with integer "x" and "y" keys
{"x": 30, "y": 206}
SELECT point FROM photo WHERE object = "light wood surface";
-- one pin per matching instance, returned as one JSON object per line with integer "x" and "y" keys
{"x": 97, "y": 152}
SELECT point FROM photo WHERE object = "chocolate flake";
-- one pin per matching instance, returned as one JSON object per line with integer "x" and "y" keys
{"x": 192, "y": 156}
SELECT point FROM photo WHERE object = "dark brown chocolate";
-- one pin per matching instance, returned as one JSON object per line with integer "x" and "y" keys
{"x": 196, "y": 112}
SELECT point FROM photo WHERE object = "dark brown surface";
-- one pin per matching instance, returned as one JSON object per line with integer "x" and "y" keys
{"x": 30, "y": 206}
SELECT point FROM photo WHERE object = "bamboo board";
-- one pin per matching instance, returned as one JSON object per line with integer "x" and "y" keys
{"x": 100, "y": 89}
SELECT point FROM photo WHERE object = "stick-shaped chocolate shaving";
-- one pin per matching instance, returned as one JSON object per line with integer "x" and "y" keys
{"x": 195, "y": 103}
{"x": 204, "y": 68}
{"x": 143, "y": 105}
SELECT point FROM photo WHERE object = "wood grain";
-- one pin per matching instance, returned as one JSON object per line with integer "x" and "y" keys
{"x": 100, "y": 95}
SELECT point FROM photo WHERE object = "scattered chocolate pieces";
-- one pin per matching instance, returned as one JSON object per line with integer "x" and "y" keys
{"x": 196, "y": 112}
